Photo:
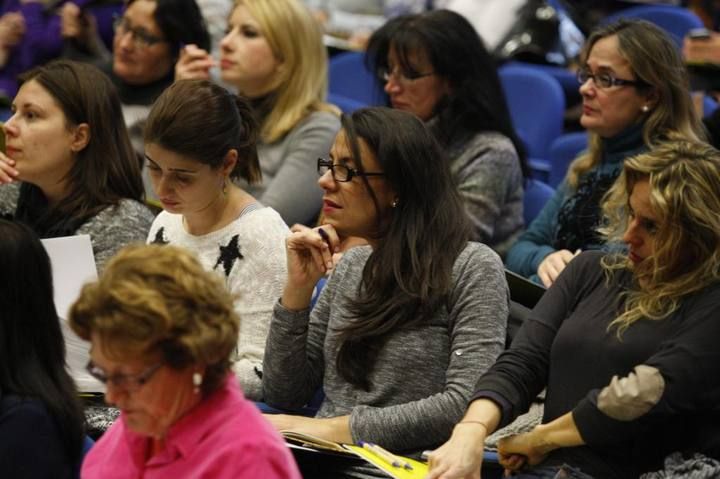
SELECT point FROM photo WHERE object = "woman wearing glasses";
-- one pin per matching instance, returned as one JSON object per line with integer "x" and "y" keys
{"x": 199, "y": 138}
{"x": 436, "y": 67}
{"x": 41, "y": 420}
{"x": 273, "y": 54}
{"x": 162, "y": 332}
{"x": 405, "y": 325}
{"x": 625, "y": 343}
{"x": 635, "y": 93}
{"x": 148, "y": 38}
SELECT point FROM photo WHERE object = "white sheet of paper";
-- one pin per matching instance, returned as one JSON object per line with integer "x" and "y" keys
{"x": 73, "y": 265}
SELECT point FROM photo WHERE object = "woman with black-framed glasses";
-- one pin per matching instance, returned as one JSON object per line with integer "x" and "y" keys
{"x": 149, "y": 36}
{"x": 405, "y": 324}
{"x": 435, "y": 66}
{"x": 162, "y": 331}
{"x": 635, "y": 93}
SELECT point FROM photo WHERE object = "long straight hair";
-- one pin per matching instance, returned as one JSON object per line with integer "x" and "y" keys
{"x": 476, "y": 101}
{"x": 408, "y": 276}
{"x": 32, "y": 348}
{"x": 107, "y": 170}
{"x": 300, "y": 86}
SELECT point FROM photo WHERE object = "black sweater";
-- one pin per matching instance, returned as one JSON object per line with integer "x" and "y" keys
{"x": 565, "y": 345}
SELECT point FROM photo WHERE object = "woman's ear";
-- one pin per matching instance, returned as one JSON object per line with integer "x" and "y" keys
{"x": 80, "y": 137}
{"x": 652, "y": 98}
{"x": 229, "y": 162}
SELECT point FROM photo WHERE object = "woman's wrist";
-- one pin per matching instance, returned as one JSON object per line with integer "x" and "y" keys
{"x": 296, "y": 298}
{"x": 544, "y": 439}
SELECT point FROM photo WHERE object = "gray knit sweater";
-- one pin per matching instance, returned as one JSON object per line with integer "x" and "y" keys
{"x": 424, "y": 375}
{"x": 289, "y": 168}
{"x": 488, "y": 174}
{"x": 111, "y": 229}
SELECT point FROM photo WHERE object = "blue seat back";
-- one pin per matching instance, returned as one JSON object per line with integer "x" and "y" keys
{"x": 537, "y": 104}
{"x": 676, "y": 21}
{"x": 562, "y": 152}
{"x": 346, "y": 105}
{"x": 349, "y": 78}
{"x": 537, "y": 194}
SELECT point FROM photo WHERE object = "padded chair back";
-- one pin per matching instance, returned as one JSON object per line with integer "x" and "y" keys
{"x": 86, "y": 446}
{"x": 537, "y": 104}
{"x": 537, "y": 194}
{"x": 346, "y": 105}
{"x": 349, "y": 78}
{"x": 562, "y": 152}
{"x": 676, "y": 21}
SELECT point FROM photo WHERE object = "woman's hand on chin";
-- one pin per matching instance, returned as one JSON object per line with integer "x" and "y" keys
{"x": 8, "y": 173}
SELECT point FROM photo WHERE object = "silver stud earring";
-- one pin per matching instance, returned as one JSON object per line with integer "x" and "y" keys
{"x": 645, "y": 108}
{"x": 197, "y": 380}
{"x": 394, "y": 203}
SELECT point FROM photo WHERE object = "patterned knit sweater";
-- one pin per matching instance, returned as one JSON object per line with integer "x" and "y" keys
{"x": 249, "y": 254}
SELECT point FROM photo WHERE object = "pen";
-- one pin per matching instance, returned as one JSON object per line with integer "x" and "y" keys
{"x": 387, "y": 456}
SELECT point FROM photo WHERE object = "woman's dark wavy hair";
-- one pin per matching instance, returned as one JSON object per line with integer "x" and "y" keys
{"x": 32, "y": 348}
{"x": 181, "y": 23}
{"x": 203, "y": 121}
{"x": 107, "y": 170}
{"x": 409, "y": 274}
{"x": 476, "y": 101}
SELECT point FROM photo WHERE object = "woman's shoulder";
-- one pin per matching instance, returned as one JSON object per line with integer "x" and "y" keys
{"x": 9, "y": 195}
{"x": 25, "y": 413}
{"x": 318, "y": 120}
{"x": 127, "y": 211}
{"x": 485, "y": 146}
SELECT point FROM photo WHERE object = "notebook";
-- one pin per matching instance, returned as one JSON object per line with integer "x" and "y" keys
{"x": 73, "y": 265}
{"x": 307, "y": 442}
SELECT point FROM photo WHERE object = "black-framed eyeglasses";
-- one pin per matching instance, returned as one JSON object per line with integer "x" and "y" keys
{"x": 140, "y": 37}
{"x": 604, "y": 80}
{"x": 340, "y": 172}
{"x": 402, "y": 77}
{"x": 128, "y": 382}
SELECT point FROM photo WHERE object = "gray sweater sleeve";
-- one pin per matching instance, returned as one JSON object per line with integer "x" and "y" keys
{"x": 293, "y": 365}
{"x": 487, "y": 171}
{"x": 477, "y": 322}
{"x": 117, "y": 226}
{"x": 294, "y": 192}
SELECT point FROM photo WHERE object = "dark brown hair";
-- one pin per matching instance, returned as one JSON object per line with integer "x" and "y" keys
{"x": 409, "y": 274}
{"x": 107, "y": 169}
{"x": 203, "y": 121}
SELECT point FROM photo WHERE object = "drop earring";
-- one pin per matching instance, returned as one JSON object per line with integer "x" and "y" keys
{"x": 197, "y": 380}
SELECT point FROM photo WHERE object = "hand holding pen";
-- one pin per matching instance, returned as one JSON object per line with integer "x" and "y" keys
{"x": 309, "y": 257}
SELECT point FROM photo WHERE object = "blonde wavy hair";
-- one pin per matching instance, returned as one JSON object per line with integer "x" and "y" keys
{"x": 153, "y": 297}
{"x": 684, "y": 180}
{"x": 656, "y": 62}
{"x": 300, "y": 86}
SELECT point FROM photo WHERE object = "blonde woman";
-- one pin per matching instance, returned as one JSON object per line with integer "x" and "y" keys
{"x": 273, "y": 54}
{"x": 635, "y": 93}
{"x": 626, "y": 344}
